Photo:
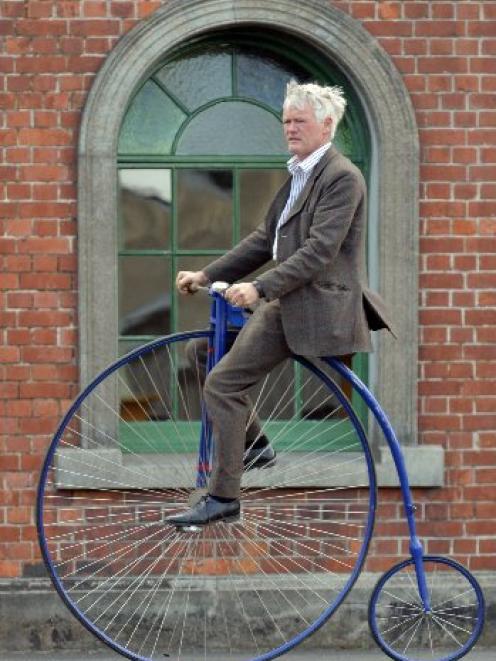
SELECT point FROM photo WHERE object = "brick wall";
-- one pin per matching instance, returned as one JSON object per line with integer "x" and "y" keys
{"x": 445, "y": 51}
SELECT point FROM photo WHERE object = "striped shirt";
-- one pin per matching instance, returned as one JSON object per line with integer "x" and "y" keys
{"x": 300, "y": 171}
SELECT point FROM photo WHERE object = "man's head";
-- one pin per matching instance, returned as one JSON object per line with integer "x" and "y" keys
{"x": 311, "y": 114}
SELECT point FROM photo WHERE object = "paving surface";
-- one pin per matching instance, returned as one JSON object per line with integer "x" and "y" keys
{"x": 318, "y": 655}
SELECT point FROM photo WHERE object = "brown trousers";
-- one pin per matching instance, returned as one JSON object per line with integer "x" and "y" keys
{"x": 259, "y": 347}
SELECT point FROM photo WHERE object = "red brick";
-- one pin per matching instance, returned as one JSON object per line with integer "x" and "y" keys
{"x": 446, "y": 352}
{"x": 362, "y": 10}
{"x": 466, "y": 155}
{"x": 465, "y": 191}
{"x": 9, "y": 568}
{"x": 437, "y": 190}
{"x": 414, "y": 47}
{"x": 95, "y": 8}
{"x": 463, "y": 299}
{"x": 481, "y": 28}
{"x": 467, "y": 83}
{"x": 92, "y": 28}
{"x": 436, "y": 209}
{"x": 44, "y": 318}
{"x": 441, "y": 46}
{"x": 454, "y": 101}
{"x": 54, "y": 390}
{"x": 488, "y": 47}
{"x": 436, "y": 64}
{"x": 415, "y": 83}
{"x": 482, "y": 173}
{"x": 44, "y": 281}
{"x": 487, "y": 298}
{"x": 467, "y": 10}
{"x": 482, "y": 101}
{"x": 461, "y": 335}
{"x": 487, "y": 546}
{"x": 488, "y": 84}
{"x": 461, "y": 406}
{"x": 68, "y": 9}
{"x": 466, "y": 46}
{"x": 482, "y": 280}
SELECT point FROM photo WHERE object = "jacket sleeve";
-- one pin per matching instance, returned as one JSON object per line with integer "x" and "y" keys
{"x": 251, "y": 253}
{"x": 331, "y": 222}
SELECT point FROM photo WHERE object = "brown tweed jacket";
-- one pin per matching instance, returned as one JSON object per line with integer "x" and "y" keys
{"x": 320, "y": 275}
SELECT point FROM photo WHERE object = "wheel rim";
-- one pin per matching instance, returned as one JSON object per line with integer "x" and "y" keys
{"x": 124, "y": 457}
{"x": 402, "y": 628}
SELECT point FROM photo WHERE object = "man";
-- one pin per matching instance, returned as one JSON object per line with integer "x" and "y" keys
{"x": 315, "y": 299}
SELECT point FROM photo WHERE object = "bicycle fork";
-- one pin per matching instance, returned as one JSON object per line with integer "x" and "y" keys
{"x": 222, "y": 317}
{"x": 416, "y": 548}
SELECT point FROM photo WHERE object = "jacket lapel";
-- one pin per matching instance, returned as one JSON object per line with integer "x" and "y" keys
{"x": 302, "y": 198}
{"x": 277, "y": 207}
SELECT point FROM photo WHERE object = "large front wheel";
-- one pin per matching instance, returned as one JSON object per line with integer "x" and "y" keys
{"x": 403, "y": 628}
{"x": 126, "y": 456}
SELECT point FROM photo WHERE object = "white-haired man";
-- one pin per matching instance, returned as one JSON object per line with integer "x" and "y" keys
{"x": 315, "y": 299}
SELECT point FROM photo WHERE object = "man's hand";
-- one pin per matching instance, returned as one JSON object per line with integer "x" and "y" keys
{"x": 188, "y": 282}
{"x": 243, "y": 294}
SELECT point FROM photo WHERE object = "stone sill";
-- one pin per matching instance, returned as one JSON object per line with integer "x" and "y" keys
{"x": 96, "y": 469}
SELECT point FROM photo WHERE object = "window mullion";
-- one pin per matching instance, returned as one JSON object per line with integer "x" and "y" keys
{"x": 236, "y": 220}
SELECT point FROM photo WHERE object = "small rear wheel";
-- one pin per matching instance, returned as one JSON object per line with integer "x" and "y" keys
{"x": 406, "y": 632}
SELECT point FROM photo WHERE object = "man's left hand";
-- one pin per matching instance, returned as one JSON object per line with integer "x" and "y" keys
{"x": 243, "y": 294}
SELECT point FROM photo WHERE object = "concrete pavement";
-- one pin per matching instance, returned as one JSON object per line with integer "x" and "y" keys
{"x": 316, "y": 655}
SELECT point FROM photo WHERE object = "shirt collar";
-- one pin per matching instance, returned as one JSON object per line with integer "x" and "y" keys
{"x": 308, "y": 163}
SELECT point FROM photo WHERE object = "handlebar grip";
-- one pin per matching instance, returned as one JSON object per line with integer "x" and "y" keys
{"x": 219, "y": 287}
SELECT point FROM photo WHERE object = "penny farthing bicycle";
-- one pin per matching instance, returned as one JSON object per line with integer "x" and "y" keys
{"x": 135, "y": 447}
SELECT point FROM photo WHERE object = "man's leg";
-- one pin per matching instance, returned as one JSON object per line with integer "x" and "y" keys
{"x": 260, "y": 346}
{"x": 196, "y": 353}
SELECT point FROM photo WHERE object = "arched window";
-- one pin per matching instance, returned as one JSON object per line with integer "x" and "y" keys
{"x": 313, "y": 37}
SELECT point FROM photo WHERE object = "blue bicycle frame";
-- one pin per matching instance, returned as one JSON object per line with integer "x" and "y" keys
{"x": 224, "y": 317}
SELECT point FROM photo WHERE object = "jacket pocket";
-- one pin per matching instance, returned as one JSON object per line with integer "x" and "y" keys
{"x": 332, "y": 286}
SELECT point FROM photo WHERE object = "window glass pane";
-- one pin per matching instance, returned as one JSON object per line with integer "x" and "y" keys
{"x": 343, "y": 140}
{"x": 233, "y": 127}
{"x": 151, "y": 123}
{"x": 145, "y": 209}
{"x": 199, "y": 78}
{"x": 204, "y": 209}
{"x": 144, "y": 295}
{"x": 257, "y": 190}
{"x": 193, "y": 312}
{"x": 264, "y": 76}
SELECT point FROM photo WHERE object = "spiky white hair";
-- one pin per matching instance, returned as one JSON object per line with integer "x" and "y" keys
{"x": 325, "y": 101}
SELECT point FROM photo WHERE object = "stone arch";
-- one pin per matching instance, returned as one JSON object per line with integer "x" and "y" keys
{"x": 393, "y": 193}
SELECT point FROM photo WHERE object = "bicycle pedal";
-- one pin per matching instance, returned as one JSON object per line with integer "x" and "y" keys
{"x": 192, "y": 529}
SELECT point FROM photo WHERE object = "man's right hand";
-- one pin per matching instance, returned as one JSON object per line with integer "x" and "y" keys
{"x": 188, "y": 282}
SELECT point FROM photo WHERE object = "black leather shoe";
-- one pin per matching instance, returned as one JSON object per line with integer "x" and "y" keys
{"x": 207, "y": 510}
{"x": 264, "y": 457}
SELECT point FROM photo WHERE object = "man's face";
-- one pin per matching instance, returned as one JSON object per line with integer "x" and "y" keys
{"x": 304, "y": 134}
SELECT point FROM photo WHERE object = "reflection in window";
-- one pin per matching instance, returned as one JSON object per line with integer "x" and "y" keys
{"x": 151, "y": 123}
{"x": 204, "y": 209}
{"x": 263, "y": 77}
{"x": 193, "y": 312}
{"x": 233, "y": 127}
{"x": 197, "y": 79}
{"x": 257, "y": 190}
{"x": 145, "y": 207}
{"x": 144, "y": 295}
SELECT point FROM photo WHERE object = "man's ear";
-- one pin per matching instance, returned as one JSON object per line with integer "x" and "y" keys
{"x": 328, "y": 124}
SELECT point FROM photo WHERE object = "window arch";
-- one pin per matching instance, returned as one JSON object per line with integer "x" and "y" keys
{"x": 393, "y": 179}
